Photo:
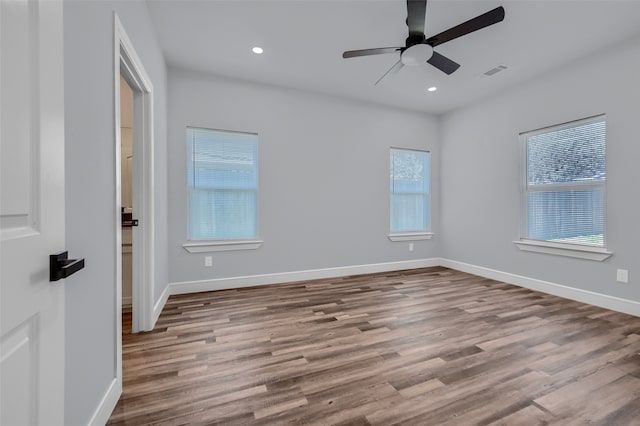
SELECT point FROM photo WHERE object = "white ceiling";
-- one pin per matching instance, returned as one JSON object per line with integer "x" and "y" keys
{"x": 303, "y": 41}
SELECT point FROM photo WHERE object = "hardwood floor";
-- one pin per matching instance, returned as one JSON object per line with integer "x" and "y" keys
{"x": 419, "y": 347}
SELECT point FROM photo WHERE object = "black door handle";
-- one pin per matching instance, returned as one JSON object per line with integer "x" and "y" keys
{"x": 60, "y": 266}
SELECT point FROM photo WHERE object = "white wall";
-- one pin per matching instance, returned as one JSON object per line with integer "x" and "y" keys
{"x": 480, "y": 171}
{"x": 323, "y": 176}
{"x": 90, "y": 190}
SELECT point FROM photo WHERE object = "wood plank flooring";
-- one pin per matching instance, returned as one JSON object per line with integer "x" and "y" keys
{"x": 419, "y": 347}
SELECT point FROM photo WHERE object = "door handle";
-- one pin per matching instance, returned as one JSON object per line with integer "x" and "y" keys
{"x": 60, "y": 266}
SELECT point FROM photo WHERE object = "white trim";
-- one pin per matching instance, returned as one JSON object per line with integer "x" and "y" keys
{"x": 411, "y": 236}
{"x": 277, "y": 278}
{"x": 107, "y": 404}
{"x": 159, "y": 306}
{"x": 626, "y": 306}
{"x": 127, "y": 62}
{"x": 562, "y": 249}
{"x": 124, "y": 56}
{"x": 208, "y": 246}
{"x": 605, "y": 301}
{"x": 117, "y": 381}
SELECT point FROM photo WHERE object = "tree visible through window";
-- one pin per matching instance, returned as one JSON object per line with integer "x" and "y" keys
{"x": 222, "y": 178}
{"x": 410, "y": 187}
{"x": 565, "y": 182}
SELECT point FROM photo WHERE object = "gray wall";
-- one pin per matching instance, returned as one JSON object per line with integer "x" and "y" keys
{"x": 323, "y": 176}
{"x": 90, "y": 190}
{"x": 480, "y": 171}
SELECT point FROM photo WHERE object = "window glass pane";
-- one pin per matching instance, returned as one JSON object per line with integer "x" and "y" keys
{"x": 223, "y": 183}
{"x": 224, "y": 159}
{"x": 222, "y": 214}
{"x": 409, "y": 171}
{"x": 410, "y": 185}
{"x": 408, "y": 212}
{"x": 567, "y": 216}
{"x": 572, "y": 154}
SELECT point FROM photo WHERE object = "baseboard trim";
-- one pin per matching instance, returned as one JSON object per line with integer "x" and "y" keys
{"x": 159, "y": 306}
{"x": 585, "y": 296}
{"x": 598, "y": 299}
{"x": 107, "y": 404}
{"x": 284, "y": 277}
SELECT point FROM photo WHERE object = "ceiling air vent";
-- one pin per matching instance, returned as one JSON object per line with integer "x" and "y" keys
{"x": 493, "y": 71}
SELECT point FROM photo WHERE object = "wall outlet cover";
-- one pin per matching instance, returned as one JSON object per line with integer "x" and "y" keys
{"x": 622, "y": 275}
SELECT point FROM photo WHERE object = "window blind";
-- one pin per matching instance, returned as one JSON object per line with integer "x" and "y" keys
{"x": 222, "y": 178}
{"x": 565, "y": 183}
{"x": 410, "y": 187}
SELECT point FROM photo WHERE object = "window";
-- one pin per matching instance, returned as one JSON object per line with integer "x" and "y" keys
{"x": 564, "y": 183}
{"x": 410, "y": 187}
{"x": 222, "y": 176}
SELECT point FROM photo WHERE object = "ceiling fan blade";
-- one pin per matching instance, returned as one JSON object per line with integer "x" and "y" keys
{"x": 416, "y": 10}
{"x": 369, "y": 52}
{"x": 394, "y": 69}
{"x": 491, "y": 17}
{"x": 443, "y": 63}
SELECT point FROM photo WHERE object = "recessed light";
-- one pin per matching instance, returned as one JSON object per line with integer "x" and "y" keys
{"x": 432, "y": 89}
{"x": 257, "y": 50}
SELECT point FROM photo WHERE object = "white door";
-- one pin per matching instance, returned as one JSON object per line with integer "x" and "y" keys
{"x": 31, "y": 212}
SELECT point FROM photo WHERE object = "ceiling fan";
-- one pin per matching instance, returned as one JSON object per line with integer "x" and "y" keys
{"x": 418, "y": 49}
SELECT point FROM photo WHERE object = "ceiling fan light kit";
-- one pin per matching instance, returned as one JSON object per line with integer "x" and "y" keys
{"x": 416, "y": 55}
{"x": 418, "y": 49}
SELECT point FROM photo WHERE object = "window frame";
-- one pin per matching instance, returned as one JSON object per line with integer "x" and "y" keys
{"x": 212, "y": 245}
{"x": 418, "y": 234}
{"x": 570, "y": 249}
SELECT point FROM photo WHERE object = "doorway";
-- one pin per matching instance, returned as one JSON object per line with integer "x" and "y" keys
{"x": 131, "y": 81}
{"x": 126, "y": 199}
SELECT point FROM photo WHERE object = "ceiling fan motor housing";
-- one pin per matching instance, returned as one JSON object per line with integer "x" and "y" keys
{"x": 414, "y": 39}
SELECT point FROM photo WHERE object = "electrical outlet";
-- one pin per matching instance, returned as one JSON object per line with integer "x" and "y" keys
{"x": 208, "y": 261}
{"x": 410, "y": 246}
{"x": 622, "y": 276}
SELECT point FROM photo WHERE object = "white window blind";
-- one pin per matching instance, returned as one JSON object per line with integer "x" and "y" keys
{"x": 222, "y": 179}
{"x": 565, "y": 183}
{"x": 410, "y": 188}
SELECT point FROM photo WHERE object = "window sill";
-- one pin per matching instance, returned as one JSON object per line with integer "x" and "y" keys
{"x": 415, "y": 236}
{"x": 231, "y": 245}
{"x": 560, "y": 249}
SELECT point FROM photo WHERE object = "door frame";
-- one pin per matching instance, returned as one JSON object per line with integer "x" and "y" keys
{"x": 128, "y": 63}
